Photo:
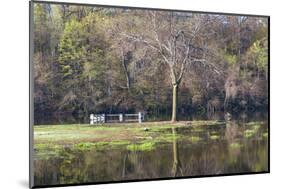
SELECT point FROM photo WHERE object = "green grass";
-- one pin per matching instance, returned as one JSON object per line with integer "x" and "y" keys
{"x": 168, "y": 137}
{"x": 76, "y": 133}
{"x": 83, "y": 146}
{"x": 64, "y": 140}
{"x": 89, "y": 145}
{"x": 146, "y": 146}
{"x": 57, "y": 140}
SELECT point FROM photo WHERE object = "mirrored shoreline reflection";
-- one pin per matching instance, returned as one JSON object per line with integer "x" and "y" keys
{"x": 232, "y": 147}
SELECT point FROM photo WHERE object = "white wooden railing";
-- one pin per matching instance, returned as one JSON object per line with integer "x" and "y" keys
{"x": 116, "y": 118}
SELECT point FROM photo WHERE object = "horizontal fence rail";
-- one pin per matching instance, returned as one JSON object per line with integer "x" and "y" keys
{"x": 116, "y": 118}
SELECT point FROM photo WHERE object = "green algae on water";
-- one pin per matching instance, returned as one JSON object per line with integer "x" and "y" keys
{"x": 147, "y": 146}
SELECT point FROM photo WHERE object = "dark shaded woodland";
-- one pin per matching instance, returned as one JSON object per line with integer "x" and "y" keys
{"x": 94, "y": 59}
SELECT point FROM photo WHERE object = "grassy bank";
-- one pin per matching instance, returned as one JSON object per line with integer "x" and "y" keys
{"x": 85, "y": 136}
{"x": 52, "y": 139}
{"x": 75, "y": 133}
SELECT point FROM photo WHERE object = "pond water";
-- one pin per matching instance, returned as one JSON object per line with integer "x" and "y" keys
{"x": 237, "y": 146}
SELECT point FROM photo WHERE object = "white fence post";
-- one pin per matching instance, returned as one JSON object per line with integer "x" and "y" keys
{"x": 91, "y": 119}
{"x": 103, "y": 118}
{"x": 120, "y": 117}
{"x": 140, "y": 117}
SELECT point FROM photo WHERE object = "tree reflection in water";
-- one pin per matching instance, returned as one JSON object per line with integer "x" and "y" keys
{"x": 237, "y": 148}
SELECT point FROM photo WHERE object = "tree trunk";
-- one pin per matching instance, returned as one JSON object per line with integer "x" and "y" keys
{"x": 176, "y": 161}
{"x": 128, "y": 83}
{"x": 175, "y": 99}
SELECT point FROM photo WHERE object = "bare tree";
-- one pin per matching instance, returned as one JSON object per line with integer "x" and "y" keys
{"x": 173, "y": 37}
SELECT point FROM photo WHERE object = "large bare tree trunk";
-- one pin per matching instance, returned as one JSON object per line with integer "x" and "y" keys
{"x": 175, "y": 99}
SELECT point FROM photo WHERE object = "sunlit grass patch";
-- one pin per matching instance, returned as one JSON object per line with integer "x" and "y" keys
{"x": 46, "y": 151}
{"x": 168, "y": 137}
{"x": 89, "y": 145}
{"x": 147, "y": 146}
{"x": 99, "y": 145}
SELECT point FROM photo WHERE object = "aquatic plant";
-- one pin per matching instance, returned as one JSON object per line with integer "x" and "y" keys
{"x": 98, "y": 145}
{"x": 147, "y": 146}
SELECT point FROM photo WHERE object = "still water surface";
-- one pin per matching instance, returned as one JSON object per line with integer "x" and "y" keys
{"x": 223, "y": 149}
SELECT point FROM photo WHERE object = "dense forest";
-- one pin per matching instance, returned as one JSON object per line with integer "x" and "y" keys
{"x": 110, "y": 60}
